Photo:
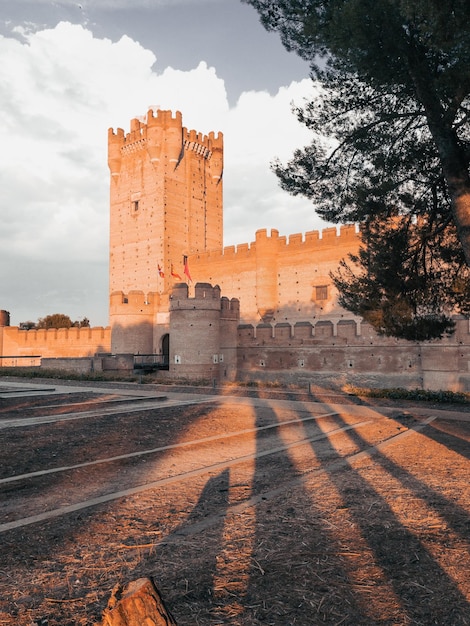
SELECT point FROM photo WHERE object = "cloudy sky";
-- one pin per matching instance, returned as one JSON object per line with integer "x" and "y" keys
{"x": 70, "y": 70}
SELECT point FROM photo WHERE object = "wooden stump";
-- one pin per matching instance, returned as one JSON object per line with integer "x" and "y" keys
{"x": 139, "y": 604}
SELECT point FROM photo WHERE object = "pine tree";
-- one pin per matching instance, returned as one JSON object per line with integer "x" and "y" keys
{"x": 391, "y": 136}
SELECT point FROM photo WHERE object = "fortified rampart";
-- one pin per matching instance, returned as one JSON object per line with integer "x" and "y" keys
{"x": 351, "y": 352}
{"x": 280, "y": 279}
{"x": 203, "y": 332}
{"x": 17, "y": 344}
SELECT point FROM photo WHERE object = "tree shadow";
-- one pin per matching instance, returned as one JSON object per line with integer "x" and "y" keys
{"x": 298, "y": 575}
{"x": 297, "y": 571}
{"x": 184, "y": 547}
{"x": 450, "y": 433}
{"x": 427, "y": 593}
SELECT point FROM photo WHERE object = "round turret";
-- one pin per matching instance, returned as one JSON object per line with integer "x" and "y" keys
{"x": 4, "y": 318}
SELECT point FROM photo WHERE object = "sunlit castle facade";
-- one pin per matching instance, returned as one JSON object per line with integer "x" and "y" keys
{"x": 261, "y": 310}
{"x": 166, "y": 226}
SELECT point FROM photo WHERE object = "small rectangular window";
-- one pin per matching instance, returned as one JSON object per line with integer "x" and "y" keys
{"x": 321, "y": 292}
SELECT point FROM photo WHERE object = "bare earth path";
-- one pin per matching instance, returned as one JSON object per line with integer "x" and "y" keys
{"x": 282, "y": 509}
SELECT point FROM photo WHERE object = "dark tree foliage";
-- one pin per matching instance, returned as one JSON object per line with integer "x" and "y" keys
{"x": 59, "y": 320}
{"x": 56, "y": 320}
{"x": 391, "y": 139}
{"x": 29, "y": 325}
{"x": 84, "y": 323}
{"x": 406, "y": 278}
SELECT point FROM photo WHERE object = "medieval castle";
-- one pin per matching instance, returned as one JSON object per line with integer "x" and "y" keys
{"x": 179, "y": 300}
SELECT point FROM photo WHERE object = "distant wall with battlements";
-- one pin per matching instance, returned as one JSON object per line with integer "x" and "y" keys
{"x": 51, "y": 343}
{"x": 349, "y": 352}
{"x": 278, "y": 278}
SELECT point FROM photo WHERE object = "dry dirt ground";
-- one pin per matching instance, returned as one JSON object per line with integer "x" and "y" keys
{"x": 262, "y": 508}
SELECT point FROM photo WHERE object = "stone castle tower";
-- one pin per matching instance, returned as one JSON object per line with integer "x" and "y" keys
{"x": 165, "y": 204}
{"x": 165, "y": 199}
{"x": 203, "y": 332}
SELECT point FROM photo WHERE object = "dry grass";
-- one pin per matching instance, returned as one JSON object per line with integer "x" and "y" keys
{"x": 300, "y": 538}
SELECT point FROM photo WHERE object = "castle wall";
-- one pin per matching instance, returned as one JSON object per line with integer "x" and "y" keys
{"x": 280, "y": 279}
{"x": 52, "y": 343}
{"x": 77, "y": 365}
{"x": 132, "y": 318}
{"x": 138, "y": 322}
{"x": 352, "y": 353}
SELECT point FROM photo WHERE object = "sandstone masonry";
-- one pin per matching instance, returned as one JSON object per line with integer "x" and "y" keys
{"x": 262, "y": 310}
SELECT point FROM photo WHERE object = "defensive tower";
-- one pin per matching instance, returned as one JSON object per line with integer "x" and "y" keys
{"x": 165, "y": 200}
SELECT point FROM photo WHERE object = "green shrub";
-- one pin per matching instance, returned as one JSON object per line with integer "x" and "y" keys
{"x": 422, "y": 395}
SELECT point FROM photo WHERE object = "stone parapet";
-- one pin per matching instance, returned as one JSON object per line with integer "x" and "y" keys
{"x": 353, "y": 354}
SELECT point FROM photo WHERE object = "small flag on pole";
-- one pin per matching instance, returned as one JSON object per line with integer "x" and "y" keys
{"x": 186, "y": 268}
{"x": 174, "y": 274}
{"x": 161, "y": 273}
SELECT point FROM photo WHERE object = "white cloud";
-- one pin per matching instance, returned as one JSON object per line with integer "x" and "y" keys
{"x": 62, "y": 88}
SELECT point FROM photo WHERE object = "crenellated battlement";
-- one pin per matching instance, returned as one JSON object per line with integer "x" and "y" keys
{"x": 164, "y": 118}
{"x": 45, "y": 335}
{"x": 314, "y": 240}
{"x": 133, "y": 301}
{"x": 344, "y": 235}
{"x": 133, "y": 296}
{"x": 336, "y": 331}
{"x": 200, "y": 143}
{"x": 53, "y": 342}
{"x": 232, "y": 305}
{"x": 146, "y": 133}
{"x": 205, "y": 297}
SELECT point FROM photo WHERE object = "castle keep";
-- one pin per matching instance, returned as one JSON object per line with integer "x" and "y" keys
{"x": 266, "y": 309}
{"x": 165, "y": 200}
{"x": 166, "y": 224}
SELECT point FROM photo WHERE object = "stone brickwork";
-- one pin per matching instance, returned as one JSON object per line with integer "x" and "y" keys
{"x": 52, "y": 343}
{"x": 203, "y": 332}
{"x": 165, "y": 200}
{"x": 280, "y": 279}
{"x": 350, "y": 352}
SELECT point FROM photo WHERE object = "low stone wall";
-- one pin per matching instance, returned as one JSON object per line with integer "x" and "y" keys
{"x": 84, "y": 365}
{"x": 55, "y": 343}
{"x": 345, "y": 352}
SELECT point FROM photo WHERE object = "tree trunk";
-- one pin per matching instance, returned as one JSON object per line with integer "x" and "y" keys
{"x": 454, "y": 160}
{"x": 138, "y": 604}
{"x": 461, "y": 210}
